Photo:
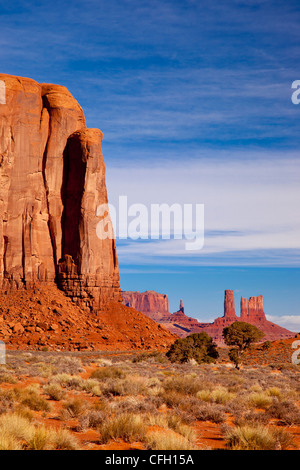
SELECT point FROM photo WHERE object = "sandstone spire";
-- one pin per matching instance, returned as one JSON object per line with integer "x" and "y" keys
{"x": 244, "y": 309}
{"x": 229, "y": 307}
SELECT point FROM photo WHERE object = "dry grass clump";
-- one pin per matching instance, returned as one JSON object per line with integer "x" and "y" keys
{"x": 194, "y": 409}
{"x": 7, "y": 376}
{"x": 133, "y": 404}
{"x": 7, "y": 401}
{"x": 219, "y": 395}
{"x": 257, "y": 437}
{"x": 17, "y": 433}
{"x": 174, "y": 422}
{"x": 91, "y": 386}
{"x": 54, "y": 391}
{"x": 75, "y": 382}
{"x": 62, "y": 439}
{"x": 274, "y": 392}
{"x": 71, "y": 382}
{"x": 246, "y": 417}
{"x": 92, "y": 419}
{"x": 162, "y": 440}
{"x": 133, "y": 385}
{"x": 260, "y": 400}
{"x": 31, "y": 397}
{"x": 73, "y": 408}
{"x": 132, "y": 427}
{"x": 127, "y": 426}
{"x": 209, "y": 412}
{"x": 184, "y": 384}
{"x": 105, "y": 373}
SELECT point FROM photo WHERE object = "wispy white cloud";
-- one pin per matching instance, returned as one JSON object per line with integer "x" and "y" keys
{"x": 291, "y": 322}
{"x": 252, "y": 208}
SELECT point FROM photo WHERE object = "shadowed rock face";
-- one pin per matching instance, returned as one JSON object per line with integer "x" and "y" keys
{"x": 52, "y": 179}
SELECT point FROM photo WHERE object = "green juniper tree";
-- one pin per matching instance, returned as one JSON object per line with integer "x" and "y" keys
{"x": 241, "y": 335}
{"x": 197, "y": 346}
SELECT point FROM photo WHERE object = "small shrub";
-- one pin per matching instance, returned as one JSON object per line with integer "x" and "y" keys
{"x": 185, "y": 384}
{"x": 173, "y": 398}
{"x": 41, "y": 439}
{"x": 260, "y": 400}
{"x": 197, "y": 346}
{"x": 7, "y": 401}
{"x": 257, "y": 437}
{"x": 104, "y": 373}
{"x": 174, "y": 422}
{"x": 92, "y": 419}
{"x": 30, "y": 397}
{"x": 64, "y": 440}
{"x": 91, "y": 386}
{"x": 73, "y": 408}
{"x": 54, "y": 391}
{"x": 7, "y": 377}
{"x": 252, "y": 418}
{"x": 287, "y": 412}
{"x": 71, "y": 382}
{"x": 273, "y": 392}
{"x": 209, "y": 412}
{"x": 266, "y": 345}
{"x": 132, "y": 385}
{"x": 134, "y": 404}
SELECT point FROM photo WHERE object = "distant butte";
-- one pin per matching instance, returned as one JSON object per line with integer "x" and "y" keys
{"x": 251, "y": 311}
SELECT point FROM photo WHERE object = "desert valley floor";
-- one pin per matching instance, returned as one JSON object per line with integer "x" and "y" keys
{"x": 139, "y": 400}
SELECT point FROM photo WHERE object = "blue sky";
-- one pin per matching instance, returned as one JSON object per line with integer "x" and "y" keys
{"x": 194, "y": 100}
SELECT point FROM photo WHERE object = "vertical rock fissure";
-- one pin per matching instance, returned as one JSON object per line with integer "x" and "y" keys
{"x": 50, "y": 228}
{"x": 5, "y": 238}
{"x": 74, "y": 171}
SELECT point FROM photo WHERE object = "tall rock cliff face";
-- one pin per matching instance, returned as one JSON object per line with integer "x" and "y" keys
{"x": 52, "y": 179}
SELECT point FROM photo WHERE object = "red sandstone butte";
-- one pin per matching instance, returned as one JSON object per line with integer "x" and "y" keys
{"x": 54, "y": 270}
{"x": 151, "y": 303}
{"x": 52, "y": 180}
{"x": 252, "y": 312}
